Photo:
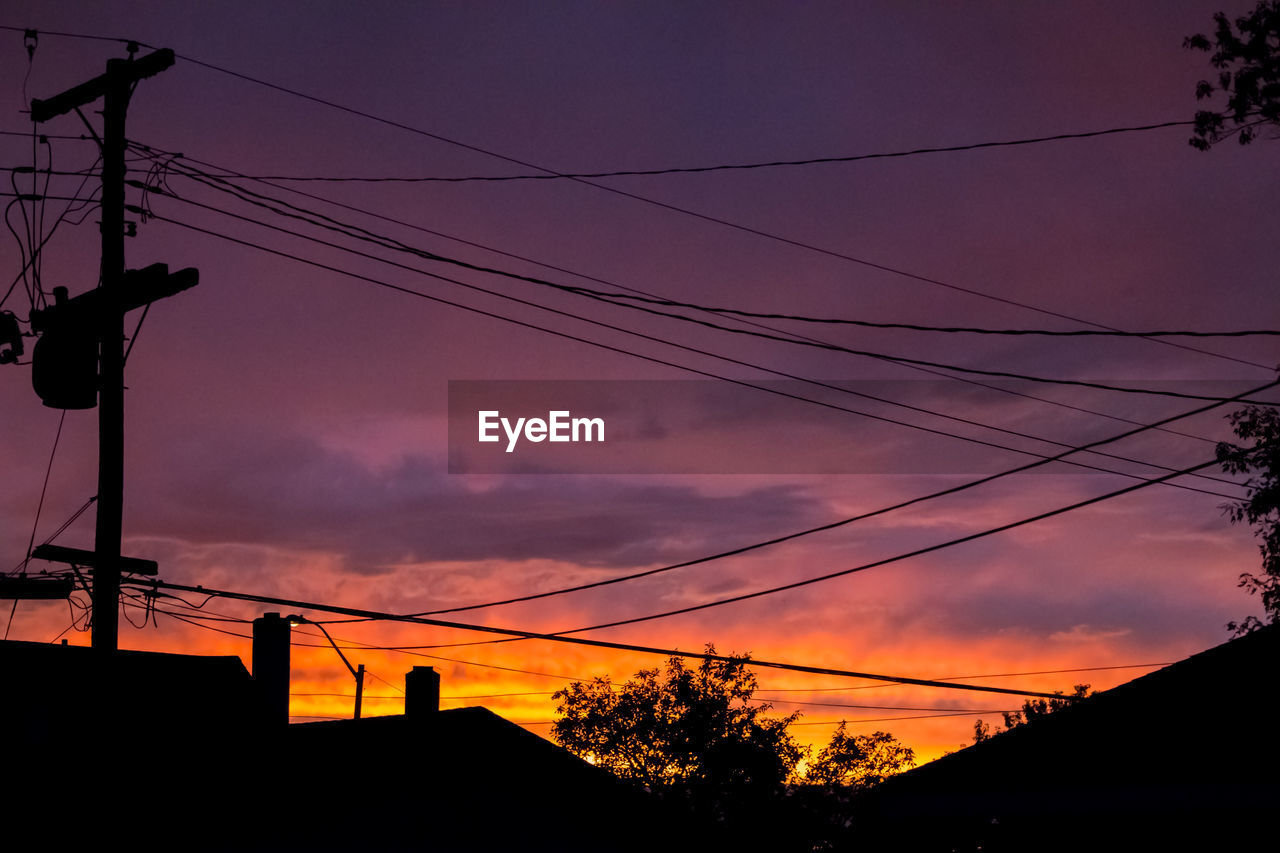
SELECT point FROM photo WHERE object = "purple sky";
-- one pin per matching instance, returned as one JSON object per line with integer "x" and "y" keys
{"x": 286, "y": 426}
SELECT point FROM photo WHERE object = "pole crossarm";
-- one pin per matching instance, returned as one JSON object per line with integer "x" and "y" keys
{"x": 119, "y": 71}
{"x": 137, "y": 288}
{"x": 34, "y": 588}
{"x": 78, "y": 557}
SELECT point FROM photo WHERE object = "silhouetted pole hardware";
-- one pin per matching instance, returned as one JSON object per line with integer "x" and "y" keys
{"x": 79, "y": 557}
{"x": 25, "y": 588}
{"x": 10, "y": 338}
{"x": 357, "y": 674}
{"x": 63, "y": 370}
{"x": 359, "y": 689}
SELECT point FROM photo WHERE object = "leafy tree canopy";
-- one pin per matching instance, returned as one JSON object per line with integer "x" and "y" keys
{"x": 859, "y": 761}
{"x": 1246, "y": 54}
{"x": 1031, "y": 709}
{"x": 696, "y": 737}
{"x": 698, "y": 733}
{"x": 680, "y": 730}
{"x": 1260, "y": 461}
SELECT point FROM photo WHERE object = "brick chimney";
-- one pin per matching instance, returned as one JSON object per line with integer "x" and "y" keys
{"x": 271, "y": 666}
{"x": 421, "y": 692}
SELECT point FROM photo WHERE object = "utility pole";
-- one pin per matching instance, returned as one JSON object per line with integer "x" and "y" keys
{"x": 103, "y": 317}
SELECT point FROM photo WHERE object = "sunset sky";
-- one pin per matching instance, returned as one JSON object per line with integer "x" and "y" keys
{"x": 288, "y": 426}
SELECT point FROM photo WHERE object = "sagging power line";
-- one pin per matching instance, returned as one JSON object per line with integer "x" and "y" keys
{"x": 609, "y": 298}
{"x": 534, "y": 635}
{"x": 664, "y": 362}
{"x": 644, "y": 199}
{"x": 171, "y": 157}
{"x": 755, "y": 546}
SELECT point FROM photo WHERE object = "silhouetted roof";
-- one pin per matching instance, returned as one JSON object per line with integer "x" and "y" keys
{"x": 165, "y": 751}
{"x": 466, "y": 779}
{"x": 74, "y": 688}
{"x": 1190, "y": 749}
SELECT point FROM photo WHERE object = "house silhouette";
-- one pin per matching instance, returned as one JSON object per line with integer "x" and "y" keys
{"x": 1184, "y": 758}
{"x": 153, "y": 751}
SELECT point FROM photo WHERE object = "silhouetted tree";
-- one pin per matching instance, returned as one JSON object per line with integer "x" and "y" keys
{"x": 688, "y": 734}
{"x": 1260, "y": 460}
{"x": 696, "y": 736}
{"x": 1247, "y": 57}
{"x": 1031, "y": 709}
{"x": 859, "y": 761}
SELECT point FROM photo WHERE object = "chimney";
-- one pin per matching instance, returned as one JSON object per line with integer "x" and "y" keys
{"x": 271, "y": 666}
{"x": 421, "y": 692}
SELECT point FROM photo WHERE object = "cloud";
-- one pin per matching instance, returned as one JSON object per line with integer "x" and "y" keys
{"x": 1087, "y": 634}
{"x": 290, "y": 492}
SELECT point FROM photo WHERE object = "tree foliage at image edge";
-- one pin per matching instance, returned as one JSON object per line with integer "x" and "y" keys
{"x": 1247, "y": 58}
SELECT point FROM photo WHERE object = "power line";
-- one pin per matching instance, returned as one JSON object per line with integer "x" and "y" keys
{"x": 39, "y": 197}
{"x": 846, "y": 721}
{"x": 545, "y": 173}
{"x": 55, "y": 534}
{"x": 384, "y": 681}
{"x": 352, "y": 695}
{"x": 28, "y": 170}
{"x": 764, "y": 699}
{"x": 808, "y": 531}
{"x": 62, "y": 419}
{"x": 901, "y": 272}
{"x": 874, "y": 707}
{"x": 1165, "y": 478}
{"x": 760, "y": 593}
{"x": 154, "y": 153}
{"x": 723, "y": 167}
{"x": 352, "y": 644}
{"x": 705, "y": 217}
{"x": 963, "y": 677}
{"x": 583, "y": 641}
{"x": 27, "y": 133}
{"x": 430, "y": 256}
{"x": 899, "y": 359}
{"x": 568, "y": 336}
{"x": 858, "y": 720}
{"x": 654, "y": 202}
{"x": 888, "y": 560}
{"x": 791, "y": 536}
{"x": 32, "y": 263}
{"x": 915, "y": 327}
{"x": 190, "y": 619}
{"x": 754, "y": 699}
{"x": 700, "y": 351}
{"x": 68, "y": 35}
{"x": 707, "y": 374}
{"x": 610, "y": 298}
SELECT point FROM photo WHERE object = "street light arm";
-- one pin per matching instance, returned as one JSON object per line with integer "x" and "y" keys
{"x": 350, "y": 668}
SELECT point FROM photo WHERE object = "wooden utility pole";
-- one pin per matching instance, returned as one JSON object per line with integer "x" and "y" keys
{"x": 103, "y": 317}
{"x": 359, "y": 689}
